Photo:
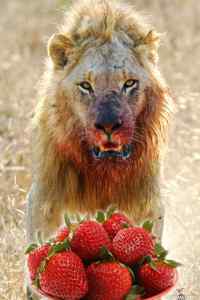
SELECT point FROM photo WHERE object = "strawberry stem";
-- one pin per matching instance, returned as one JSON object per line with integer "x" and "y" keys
{"x": 148, "y": 225}
{"x": 152, "y": 264}
{"x": 160, "y": 251}
{"x": 30, "y": 248}
{"x": 172, "y": 263}
{"x": 148, "y": 259}
{"x": 100, "y": 217}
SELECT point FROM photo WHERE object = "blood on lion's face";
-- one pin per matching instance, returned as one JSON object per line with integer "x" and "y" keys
{"x": 107, "y": 91}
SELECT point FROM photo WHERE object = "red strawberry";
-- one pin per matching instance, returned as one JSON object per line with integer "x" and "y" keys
{"x": 116, "y": 222}
{"x": 35, "y": 257}
{"x": 62, "y": 234}
{"x": 155, "y": 281}
{"x": 132, "y": 244}
{"x": 64, "y": 277}
{"x": 108, "y": 280}
{"x": 88, "y": 239}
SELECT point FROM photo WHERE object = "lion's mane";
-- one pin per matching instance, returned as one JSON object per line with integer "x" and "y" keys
{"x": 78, "y": 185}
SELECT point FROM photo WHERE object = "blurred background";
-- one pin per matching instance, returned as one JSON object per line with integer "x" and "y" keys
{"x": 25, "y": 26}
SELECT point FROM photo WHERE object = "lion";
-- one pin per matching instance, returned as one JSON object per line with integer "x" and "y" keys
{"x": 101, "y": 123}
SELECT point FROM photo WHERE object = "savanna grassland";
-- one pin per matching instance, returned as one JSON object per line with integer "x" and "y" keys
{"x": 25, "y": 26}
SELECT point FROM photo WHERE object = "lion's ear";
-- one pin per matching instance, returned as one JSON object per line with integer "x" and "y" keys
{"x": 147, "y": 47}
{"x": 59, "y": 47}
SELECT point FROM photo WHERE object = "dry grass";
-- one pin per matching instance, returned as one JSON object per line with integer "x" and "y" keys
{"x": 24, "y": 27}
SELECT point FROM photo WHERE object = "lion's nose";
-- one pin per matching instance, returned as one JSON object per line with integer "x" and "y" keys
{"x": 109, "y": 127}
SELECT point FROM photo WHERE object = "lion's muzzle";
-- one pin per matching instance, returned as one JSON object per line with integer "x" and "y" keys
{"x": 108, "y": 115}
{"x": 111, "y": 127}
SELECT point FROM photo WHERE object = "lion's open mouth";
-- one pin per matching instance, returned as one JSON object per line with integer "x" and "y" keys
{"x": 124, "y": 153}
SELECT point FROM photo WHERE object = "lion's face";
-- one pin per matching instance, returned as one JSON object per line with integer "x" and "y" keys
{"x": 106, "y": 88}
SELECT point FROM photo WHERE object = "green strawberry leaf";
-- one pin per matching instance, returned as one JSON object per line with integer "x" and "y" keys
{"x": 58, "y": 247}
{"x": 50, "y": 241}
{"x": 50, "y": 253}
{"x": 110, "y": 211}
{"x": 105, "y": 254}
{"x": 145, "y": 259}
{"x": 135, "y": 292}
{"x": 61, "y": 246}
{"x": 160, "y": 251}
{"x": 55, "y": 249}
{"x": 152, "y": 264}
{"x": 125, "y": 225}
{"x": 66, "y": 244}
{"x": 142, "y": 261}
{"x": 148, "y": 225}
{"x": 30, "y": 248}
{"x": 172, "y": 263}
{"x": 67, "y": 220}
{"x": 131, "y": 296}
{"x": 148, "y": 259}
{"x": 100, "y": 217}
{"x": 138, "y": 289}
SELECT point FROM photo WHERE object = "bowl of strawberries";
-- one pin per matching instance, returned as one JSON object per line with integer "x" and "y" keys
{"x": 106, "y": 258}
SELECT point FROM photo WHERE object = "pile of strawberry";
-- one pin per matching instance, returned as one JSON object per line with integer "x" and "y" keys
{"x": 104, "y": 259}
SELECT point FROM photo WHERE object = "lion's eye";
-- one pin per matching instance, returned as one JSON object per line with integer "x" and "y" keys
{"x": 130, "y": 85}
{"x": 85, "y": 87}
